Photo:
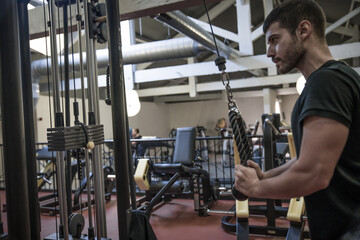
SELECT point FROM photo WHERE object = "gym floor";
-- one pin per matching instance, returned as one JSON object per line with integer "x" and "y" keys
{"x": 173, "y": 220}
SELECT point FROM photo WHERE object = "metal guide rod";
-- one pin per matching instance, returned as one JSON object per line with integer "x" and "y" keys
{"x": 54, "y": 57}
{"x": 60, "y": 164}
{"x": 68, "y": 178}
{"x": 78, "y": 18}
{"x": 90, "y": 55}
{"x": 87, "y": 159}
{"x": 99, "y": 188}
{"x": 88, "y": 191}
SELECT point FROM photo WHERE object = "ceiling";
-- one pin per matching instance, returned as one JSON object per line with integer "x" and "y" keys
{"x": 250, "y": 73}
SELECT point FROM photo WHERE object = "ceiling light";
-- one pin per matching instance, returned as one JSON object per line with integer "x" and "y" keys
{"x": 132, "y": 102}
{"x": 300, "y": 84}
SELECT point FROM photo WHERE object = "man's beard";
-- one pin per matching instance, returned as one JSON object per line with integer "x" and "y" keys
{"x": 294, "y": 53}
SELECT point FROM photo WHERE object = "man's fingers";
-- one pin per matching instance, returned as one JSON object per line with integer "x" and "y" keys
{"x": 252, "y": 164}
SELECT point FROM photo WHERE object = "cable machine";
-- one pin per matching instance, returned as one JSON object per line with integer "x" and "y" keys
{"x": 79, "y": 136}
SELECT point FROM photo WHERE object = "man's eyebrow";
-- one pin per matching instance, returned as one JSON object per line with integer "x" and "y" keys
{"x": 271, "y": 36}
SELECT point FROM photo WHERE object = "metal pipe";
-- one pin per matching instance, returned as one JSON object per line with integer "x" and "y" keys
{"x": 161, "y": 193}
{"x": 34, "y": 208}
{"x": 119, "y": 116}
{"x": 88, "y": 191}
{"x": 54, "y": 58}
{"x": 87, "y": 159}
{"x": 81, "y": 62}
{"x": 181, "y": 23}
{"x": 221, "y": 212}
{"x": 13, "y": 124}
{"x": 137, "y": 53}
{"x": 99, "y": 190}
{"x": 60, "y": 165}
{"x": 68, "y": 174}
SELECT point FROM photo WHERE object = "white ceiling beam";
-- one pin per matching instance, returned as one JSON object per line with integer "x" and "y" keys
{"x": 213, "y": 12}
{"x": 257, "y": 33}
{"x": 217, "y": 31}
{"x": 161, "y": 91}
{"x": 344, "y": 31}
{"x": 235, "y": 84}
{"x": 176, "y": 98}
{"x": 216, "y": 86}
{"x": 37, "y": 21}
{"x": 268, "y": 7}
{"x": 259, "y": 93}
{"x": 342, "y": 51}
{"x": 342, "y": 20}
{"x": 243, "y": 15}
{"x": 192, "y": 81}
{"x": 131, "y": 9}
{"x": 217, "y": 10}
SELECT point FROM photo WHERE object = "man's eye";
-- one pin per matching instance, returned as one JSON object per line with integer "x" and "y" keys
{"x": 273, "y": 39}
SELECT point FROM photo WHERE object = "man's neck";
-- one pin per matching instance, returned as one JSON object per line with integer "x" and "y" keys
{"x": 315, "y": 56}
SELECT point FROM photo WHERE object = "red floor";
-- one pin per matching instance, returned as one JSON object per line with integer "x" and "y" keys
{"x": 171, "y": 221}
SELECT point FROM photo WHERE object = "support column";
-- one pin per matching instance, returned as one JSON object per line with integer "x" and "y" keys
{"x": 192, "y": 81}
{"x": 244, "y": 27}
{"x": 119, "y": 116}
{"x": 269, "y": 96}
{"x": 18, "y": 219}
{"x": 34, "y": 208}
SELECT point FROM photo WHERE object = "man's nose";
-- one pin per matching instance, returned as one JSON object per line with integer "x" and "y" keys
{"x": 270, "y": 52}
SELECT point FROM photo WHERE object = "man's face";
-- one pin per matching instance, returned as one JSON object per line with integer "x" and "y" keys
{"x": 284, "y": 49}
{"x": 133, "y": 133}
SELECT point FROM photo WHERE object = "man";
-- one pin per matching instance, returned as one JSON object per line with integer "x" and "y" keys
{"x": 325, "y": 124}
{"x": 138, "y": 148}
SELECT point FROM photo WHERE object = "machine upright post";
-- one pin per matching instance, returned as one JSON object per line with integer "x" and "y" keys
{"x": 119, "y": 116}
{"x": 13, "y": 124}
{"x": 27, "y": 90}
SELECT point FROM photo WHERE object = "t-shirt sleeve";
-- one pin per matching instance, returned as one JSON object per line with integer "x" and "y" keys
{"x": 329, "y": 95}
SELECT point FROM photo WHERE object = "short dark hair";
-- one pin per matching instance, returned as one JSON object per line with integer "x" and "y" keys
{"x": 137, "y": 130}
{"x": 290, "y": 13}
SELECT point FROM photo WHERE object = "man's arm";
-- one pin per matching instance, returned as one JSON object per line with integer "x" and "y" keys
{"x": 272, "y": 172}
{"x": 322, "y": 144}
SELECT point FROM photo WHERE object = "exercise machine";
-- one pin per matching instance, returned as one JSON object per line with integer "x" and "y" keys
{"x": 194, "y": 181}
{"x": 273, "y": 209}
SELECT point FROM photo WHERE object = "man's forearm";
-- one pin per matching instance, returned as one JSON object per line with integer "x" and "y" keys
{"x": 279, "y": 170}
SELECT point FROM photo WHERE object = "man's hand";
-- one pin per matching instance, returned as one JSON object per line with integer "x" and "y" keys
{"x": 246, "y": 180}
{"x": 255, "y": 166}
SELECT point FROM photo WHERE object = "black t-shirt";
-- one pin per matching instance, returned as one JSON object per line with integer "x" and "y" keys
{"x": 333, "y": 91}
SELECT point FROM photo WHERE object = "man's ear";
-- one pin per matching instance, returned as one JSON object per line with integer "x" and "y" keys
{"x": 304, "y": 29}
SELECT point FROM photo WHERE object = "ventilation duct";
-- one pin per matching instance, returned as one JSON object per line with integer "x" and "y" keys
{"x": 133, "y": 54}
{"x": 181, "y": 23}
{"x": 138, "y": 53}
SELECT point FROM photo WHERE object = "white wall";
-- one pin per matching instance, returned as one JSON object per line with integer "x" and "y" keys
{"x": 206, "y": 113}
{"x": 287, "y": 104}
{"x": 156, "y": 119}
{"x": 152, "y": 120}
